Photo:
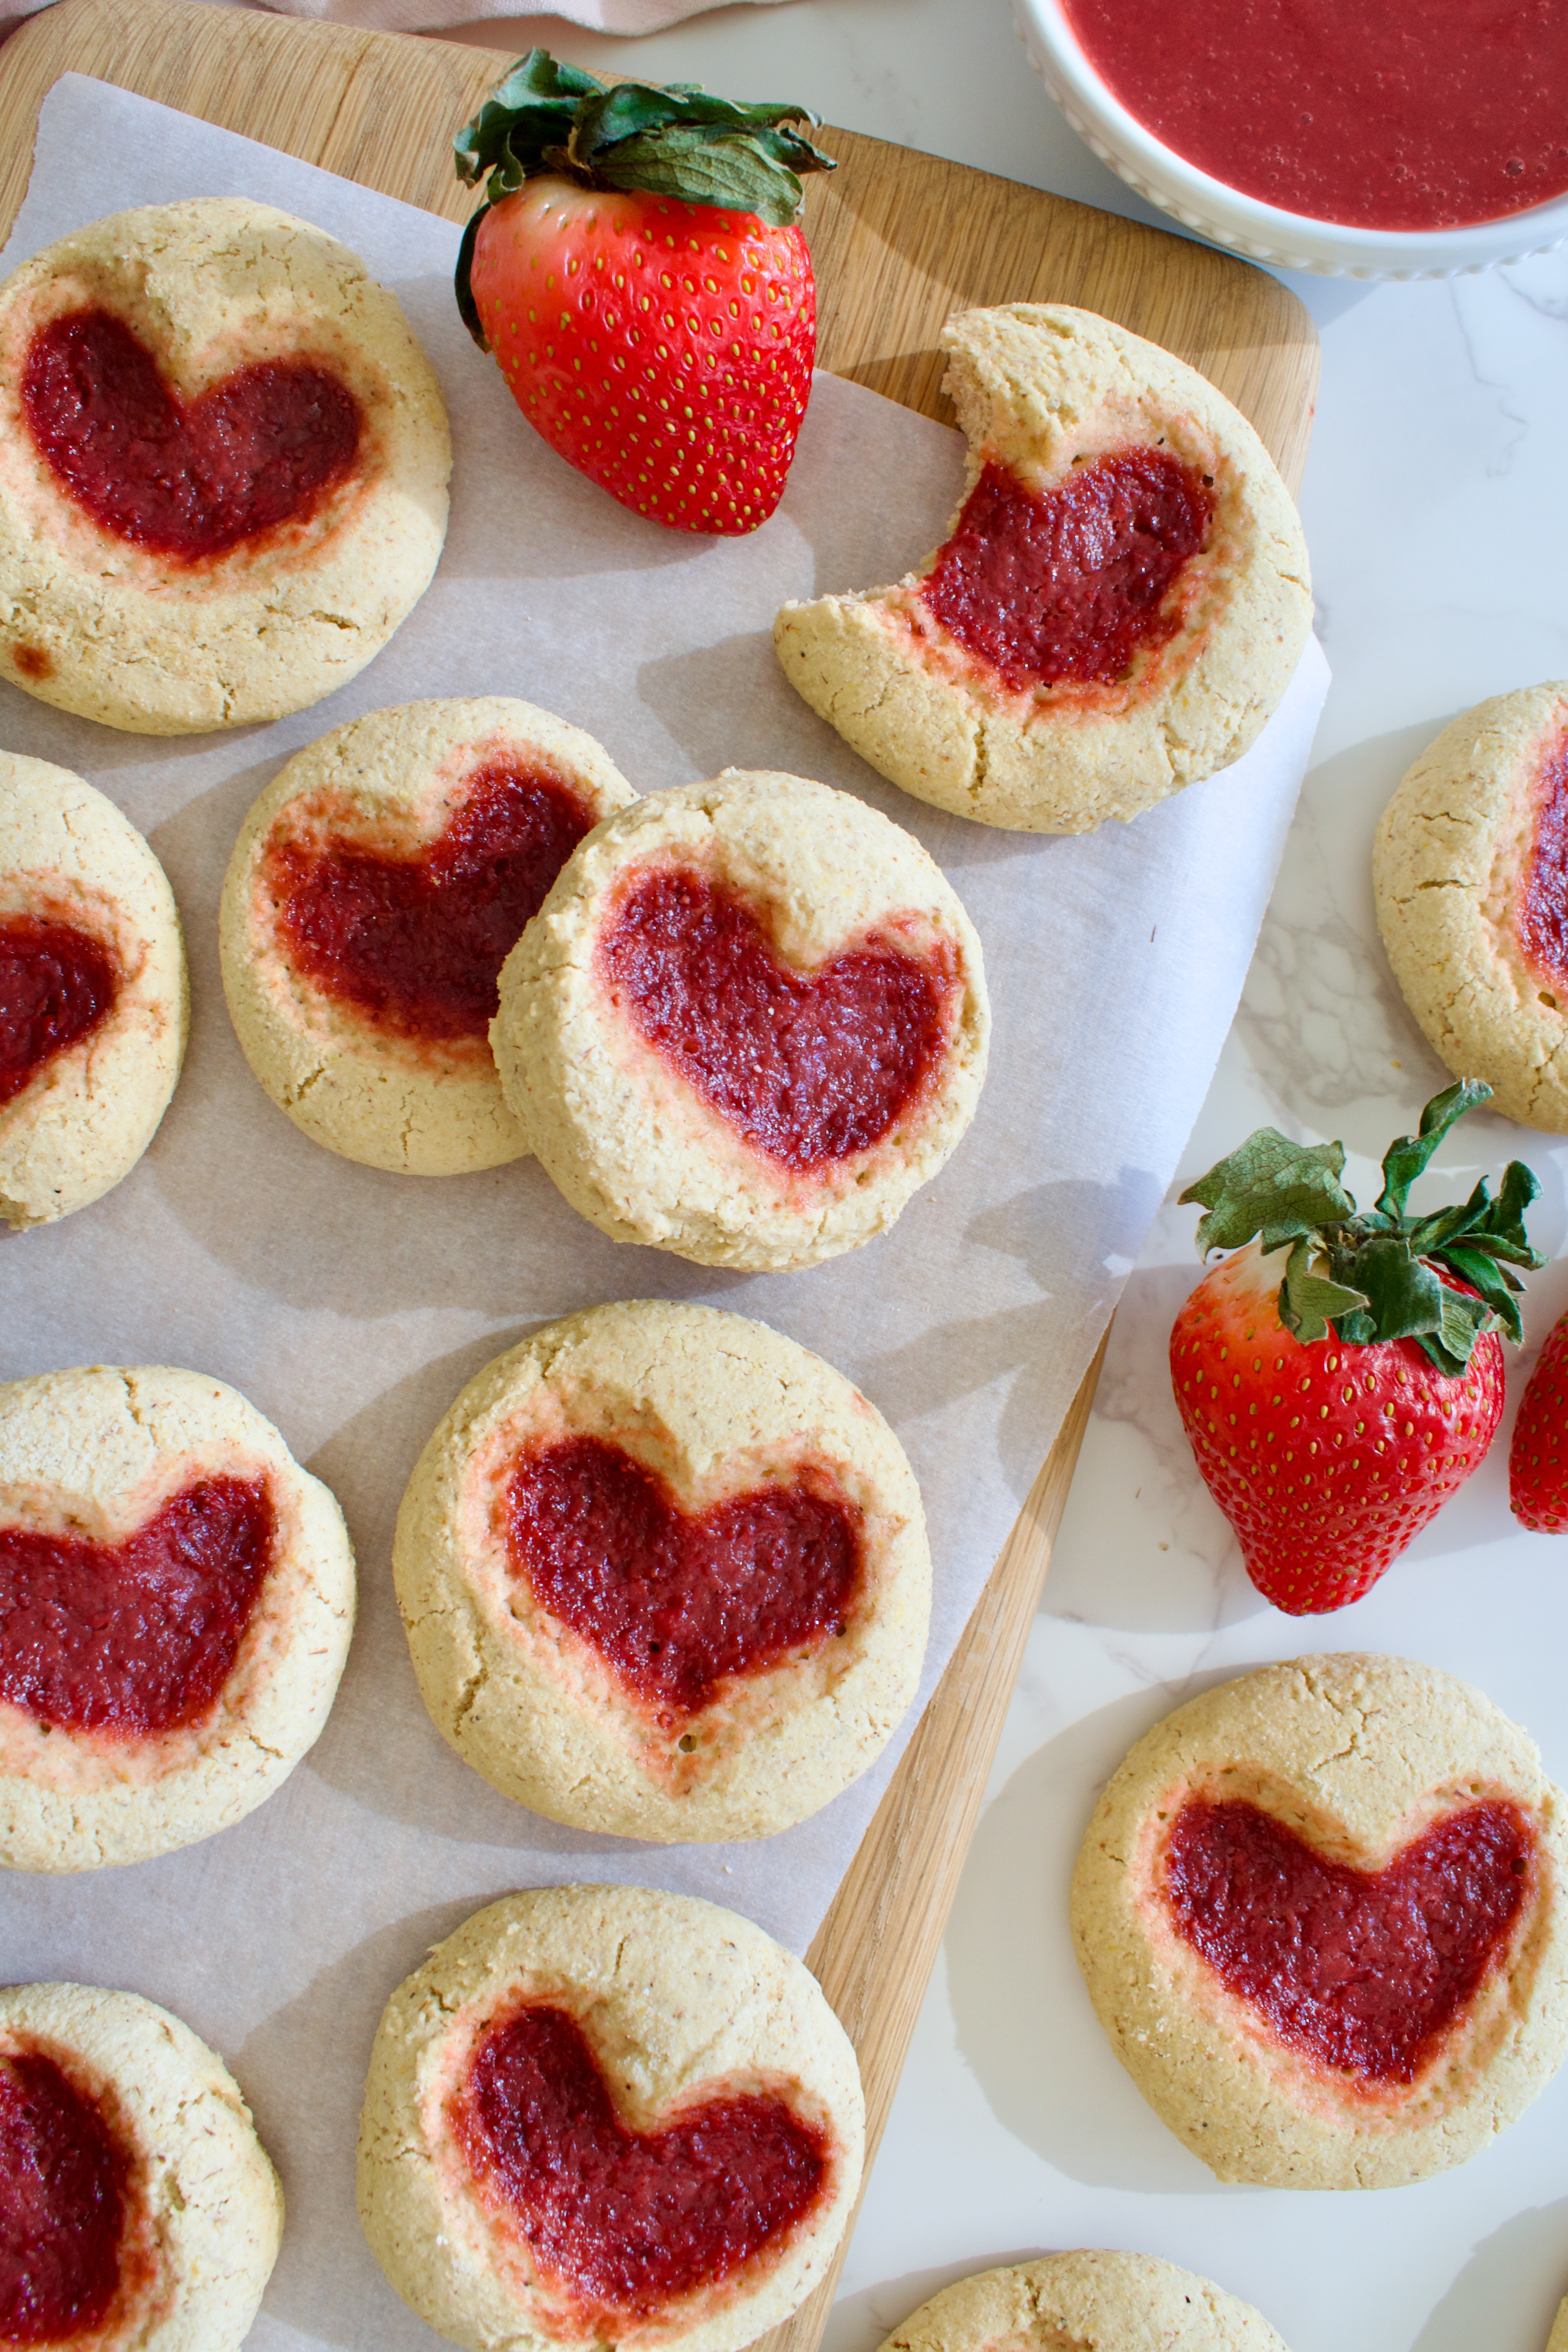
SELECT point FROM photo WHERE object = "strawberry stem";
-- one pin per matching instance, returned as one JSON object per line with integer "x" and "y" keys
{"x": 1373, "y": 1275}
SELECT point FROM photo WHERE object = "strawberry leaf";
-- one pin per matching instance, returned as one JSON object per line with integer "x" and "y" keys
{"x": 673, "y": 138}
{"x": 1404, "y": 1297}
{"x": 1407, "y": 1158}
{"x": 1308, "y": 1302}
{"x": 684, "y": 162}
{"x": 1273, "y": 1187}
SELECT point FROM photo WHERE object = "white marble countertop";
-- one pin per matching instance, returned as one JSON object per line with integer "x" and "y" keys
{"x": 1433, "y": 502}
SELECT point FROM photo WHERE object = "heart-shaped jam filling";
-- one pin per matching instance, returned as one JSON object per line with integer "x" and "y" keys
{"x": 415, "y": 944}
{"x": 57, "y": 984}
{"x": 189, "y": 479}
{"x": 1540, "y": 914}
{"x": 139, "y": 1637}
{"x": 808, "y": 1068}
{"x": 676, "y": 1601}
{"x": 1070, "y": 583}
{"x": 626, "y": 2222}
{"x": 1365, "y": 1970}
{"x": 63, "y": 2191}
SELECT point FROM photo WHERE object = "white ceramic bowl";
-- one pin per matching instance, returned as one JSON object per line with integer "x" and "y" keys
{"x": 1262, "y": 231}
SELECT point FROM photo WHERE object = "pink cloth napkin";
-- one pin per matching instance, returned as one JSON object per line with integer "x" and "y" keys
{"x": 434, "y": 16}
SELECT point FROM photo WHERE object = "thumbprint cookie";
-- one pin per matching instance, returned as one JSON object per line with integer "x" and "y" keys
{"x": 1081, "y": 2302}
{"x": 176, "y": 1597}
{"x": 665, "y": 1573}
{"x": 376, "y": 890}
{"x": 749, "y": 1020}
{"x": 1321, "y": 1914}
{"x": 1471, "y": 873}
{"x": 222, "y": 468}
{"x": 138, "y": 2209}
{"x": 1117, "y": 607}
{"x": 93, "y": 1005}
{"x": 605, "y": 2114}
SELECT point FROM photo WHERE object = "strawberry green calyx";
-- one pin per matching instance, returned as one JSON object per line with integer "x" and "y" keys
{"x": 672, "y": 140}
{"x": 1372, "y": 1272}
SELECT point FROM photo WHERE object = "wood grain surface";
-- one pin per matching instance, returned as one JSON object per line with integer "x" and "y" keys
{"x": 899, "y": 241}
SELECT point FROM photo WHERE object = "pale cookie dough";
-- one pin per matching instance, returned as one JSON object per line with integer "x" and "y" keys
{"x": 94, "y": 1456}
{"x": 681, "y": 2004}
{"x": 626, "y": 1134}
{"x": 200, "y": 2210}
{"x": 713, "y": 1408}
{"x": 1359, "y": 1756}
{"x": 389, "y": 785}
{"x": 1040, "y": 387}
{"x": 1484, "y": 809}
{"x": 1558, "y": 2339}
{"x": 1085, "y": 2301}
{"x": 87, "y": 1114}
{"x": 163, "y": 644}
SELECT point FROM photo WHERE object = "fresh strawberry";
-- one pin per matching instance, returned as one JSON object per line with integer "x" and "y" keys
{"x": 1340, "y": 1378}
{"x": 636, "y": 271}
{"x": 1537, "y": 1459}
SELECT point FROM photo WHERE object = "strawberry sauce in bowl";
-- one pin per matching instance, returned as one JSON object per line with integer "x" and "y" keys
{"x": 1366, "y": 144}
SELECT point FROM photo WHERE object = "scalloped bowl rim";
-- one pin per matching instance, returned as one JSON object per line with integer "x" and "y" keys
{"x": 1263, "y": 232}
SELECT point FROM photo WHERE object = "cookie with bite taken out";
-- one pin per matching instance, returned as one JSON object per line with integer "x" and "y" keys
{"x": 1117, "y": 607}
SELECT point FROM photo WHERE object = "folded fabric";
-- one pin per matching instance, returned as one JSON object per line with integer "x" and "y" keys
{"x": 434, "y": 15}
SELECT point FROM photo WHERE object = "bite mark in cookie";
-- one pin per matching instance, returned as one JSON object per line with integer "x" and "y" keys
{"x": 1116, "y": 612}
{"x": 188, "y": 478}
{"x": 1070, "y": 583}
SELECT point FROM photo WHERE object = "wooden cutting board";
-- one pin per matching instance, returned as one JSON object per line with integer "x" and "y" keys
{"x": 899, "y": 241}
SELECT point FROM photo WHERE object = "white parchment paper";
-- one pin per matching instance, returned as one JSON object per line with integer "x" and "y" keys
{"x": 351, "y": 1305}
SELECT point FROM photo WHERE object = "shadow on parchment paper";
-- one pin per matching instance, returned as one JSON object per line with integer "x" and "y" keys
{"x": 858, "y": 2323}
{"x": 1020, "y": 2008}
{"x": 303, "y": 2071}
{"x": 1024, "y": 1344}
{"x": 1161, "y": 1557}
{"x": 709, "y": 702}
{"x": 1528, "y": 2257}
{"x": 380, "y": 1747}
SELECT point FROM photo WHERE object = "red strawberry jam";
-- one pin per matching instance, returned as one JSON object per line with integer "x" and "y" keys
{"x": 627, "y": 2221}
{"x": 807, "y": 1066}
{"x": 1068, "y": 585}
{"x": 63, "y": 2196}
{"x": 1365, "y": 1970}
{"x": 415, "y": 945}
{"x": 675, "y": 1600}
{"x": 1540, "y": 913}
{"x": 1393, "y": 118}
{"x": 58, "y": 984}
{"x": 139, "y": 1637}
{"x": 188, "y": 478}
